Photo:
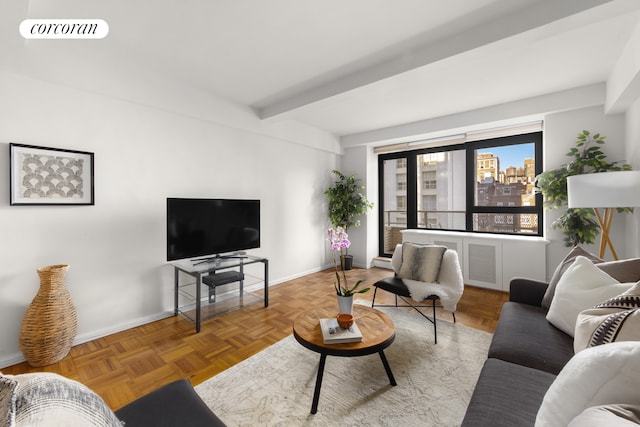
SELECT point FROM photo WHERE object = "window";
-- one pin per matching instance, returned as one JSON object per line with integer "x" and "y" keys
{"x": 484, "y": 186}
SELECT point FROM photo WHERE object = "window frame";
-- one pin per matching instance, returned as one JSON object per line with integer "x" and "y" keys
{"x": 472, "y": 209}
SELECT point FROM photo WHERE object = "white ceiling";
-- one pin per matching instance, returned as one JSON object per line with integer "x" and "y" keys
{"x": 346, "y": 66}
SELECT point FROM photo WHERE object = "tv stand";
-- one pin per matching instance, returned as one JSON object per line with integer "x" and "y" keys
{"x": 218, "y": 270}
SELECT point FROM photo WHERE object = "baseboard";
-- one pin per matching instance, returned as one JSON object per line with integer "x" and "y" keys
{"x": 92, "y": 335}
{"x": 18, "y": 357}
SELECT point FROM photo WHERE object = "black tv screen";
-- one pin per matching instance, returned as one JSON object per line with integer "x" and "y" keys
{"x": 209, "y": 227}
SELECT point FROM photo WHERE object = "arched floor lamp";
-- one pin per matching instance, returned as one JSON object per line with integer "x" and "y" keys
{"x": 607, "y": 191}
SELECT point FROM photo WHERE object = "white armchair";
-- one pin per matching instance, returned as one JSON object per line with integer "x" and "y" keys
{"x": 424, "y": 273}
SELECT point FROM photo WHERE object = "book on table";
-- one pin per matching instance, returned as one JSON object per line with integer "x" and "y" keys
{"x": 332, "y": 333}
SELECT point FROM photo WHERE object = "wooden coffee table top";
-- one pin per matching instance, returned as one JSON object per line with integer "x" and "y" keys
{"x": 378, "y": 331}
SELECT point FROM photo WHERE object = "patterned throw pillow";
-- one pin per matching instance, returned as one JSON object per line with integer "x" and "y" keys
{"x": 7, "y": 401}
{"x": 617, "y": 319}
{"x": 46, "y": 399}
{"x": 421, "y": 262}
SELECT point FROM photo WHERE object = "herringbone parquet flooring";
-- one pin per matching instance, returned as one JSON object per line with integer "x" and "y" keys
{"x": 126, "y": 365}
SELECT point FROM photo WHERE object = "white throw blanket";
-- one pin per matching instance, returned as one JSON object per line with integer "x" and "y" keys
{"x": 449, "y": 286}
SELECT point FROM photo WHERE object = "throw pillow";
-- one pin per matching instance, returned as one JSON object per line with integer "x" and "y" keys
{"x": 624, "y": 270}
{"x": 608, "y": 415}
{"x": 562, "y": 268}
{"x": 602, "y": 375}
{"x": 617, "y": 319}
{"x": 421, "y": 262}
{"x": 46, "y": 399}
{"x": 582, "y": 286}
{"x": 7, "y": 401}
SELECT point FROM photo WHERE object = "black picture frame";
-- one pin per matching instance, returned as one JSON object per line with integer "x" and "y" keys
{"x": 50, "y": 176}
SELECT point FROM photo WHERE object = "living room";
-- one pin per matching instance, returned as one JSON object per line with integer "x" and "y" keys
{"x": 254, "y": 114}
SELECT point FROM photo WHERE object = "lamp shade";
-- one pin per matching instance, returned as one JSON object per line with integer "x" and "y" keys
{"x": 619, "y": 189}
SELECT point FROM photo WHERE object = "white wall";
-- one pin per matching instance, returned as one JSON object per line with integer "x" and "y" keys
{"x": 143, "y": 154}
{"x": 560, "y": 131}
{"x": 632, "y": 234}
{"x": 362, "y": 162}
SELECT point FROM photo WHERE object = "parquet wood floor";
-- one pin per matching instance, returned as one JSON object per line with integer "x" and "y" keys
{"x": 126, "y": 365}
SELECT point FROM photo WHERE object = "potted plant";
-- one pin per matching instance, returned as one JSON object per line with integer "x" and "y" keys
{"x": 339, "y": 240}
{"x": 578, "y": 225}
{"x": 346, "y": 204}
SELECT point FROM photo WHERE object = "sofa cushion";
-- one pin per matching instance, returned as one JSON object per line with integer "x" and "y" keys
{"x": 523, "y": 336}
{"x": 506, "y": 394}
{"x": 40, "y": 399}
{"x": 617, "y": 319}
{"x": 582, "y": 286}
{"x": 624, "y": 270}
{"x": 601, "y": 375}
{"x": 174, "y": 404}
{"x": 560, "y": 270}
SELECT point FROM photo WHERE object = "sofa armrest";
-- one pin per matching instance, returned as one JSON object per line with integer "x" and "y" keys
{"x": 174, "y": 404}
{"x": 527, "y": 291}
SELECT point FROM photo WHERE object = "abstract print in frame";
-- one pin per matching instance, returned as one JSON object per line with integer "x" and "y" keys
{"x": 50, "y": 176}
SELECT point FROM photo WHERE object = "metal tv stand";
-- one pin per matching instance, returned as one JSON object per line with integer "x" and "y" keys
{"x": 204, "y": 272}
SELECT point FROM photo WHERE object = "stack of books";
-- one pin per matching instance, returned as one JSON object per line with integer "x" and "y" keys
{"x": 332, "y": 333}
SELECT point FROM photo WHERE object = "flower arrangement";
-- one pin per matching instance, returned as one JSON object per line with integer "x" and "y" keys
{"x": 339, "y": 241}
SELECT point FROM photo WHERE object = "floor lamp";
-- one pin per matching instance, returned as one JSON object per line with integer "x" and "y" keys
{"x": 607, "y": 191}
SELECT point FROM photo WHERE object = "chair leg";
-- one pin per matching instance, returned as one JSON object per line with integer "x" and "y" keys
{"x": 435, "y": 328}
{"x": 454, "y": 317}
{"x": 373, "y": 301}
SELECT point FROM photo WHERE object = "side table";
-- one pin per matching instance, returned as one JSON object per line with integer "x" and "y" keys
{"x": 378, "y": 332}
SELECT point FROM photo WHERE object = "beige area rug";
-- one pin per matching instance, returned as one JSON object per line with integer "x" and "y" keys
{"x": 435, "y": 381}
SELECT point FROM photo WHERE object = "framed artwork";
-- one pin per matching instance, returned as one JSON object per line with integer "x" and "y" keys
{"x": 50, "y": 176}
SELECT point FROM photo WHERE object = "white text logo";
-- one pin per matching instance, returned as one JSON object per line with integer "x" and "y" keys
{"x": 64, "y": 28}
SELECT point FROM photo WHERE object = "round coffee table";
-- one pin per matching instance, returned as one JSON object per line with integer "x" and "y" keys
{"x": 378, "y": 332}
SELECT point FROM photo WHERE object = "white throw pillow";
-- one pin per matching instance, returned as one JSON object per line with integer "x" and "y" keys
{"x": 602, "y": 375}
{"x": 617, "y": 319}
{"x": 582, "y": 286}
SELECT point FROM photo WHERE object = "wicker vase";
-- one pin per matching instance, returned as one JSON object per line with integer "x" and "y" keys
{"x": 50, "y": 324}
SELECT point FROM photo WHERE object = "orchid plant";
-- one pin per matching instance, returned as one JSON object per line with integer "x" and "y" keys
{"x": 339, "y": 241}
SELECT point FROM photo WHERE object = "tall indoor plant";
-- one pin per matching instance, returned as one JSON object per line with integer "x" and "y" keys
{"x": 579, "y": 225}
{"x": 346, "y": 204}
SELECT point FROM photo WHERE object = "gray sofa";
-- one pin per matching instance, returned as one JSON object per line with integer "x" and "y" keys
{"x": 527, "y": 352}
{"x": 525, "y": 355}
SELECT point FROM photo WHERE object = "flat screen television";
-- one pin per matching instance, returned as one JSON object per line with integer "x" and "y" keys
{"x": 211, "y": 227}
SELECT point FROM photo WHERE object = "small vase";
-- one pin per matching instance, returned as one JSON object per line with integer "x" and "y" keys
{"x": 49, "y": 325}
{"x": 345, "y": 305}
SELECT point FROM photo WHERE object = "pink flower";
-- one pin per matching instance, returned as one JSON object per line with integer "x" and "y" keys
{"x": 339, "y": 240}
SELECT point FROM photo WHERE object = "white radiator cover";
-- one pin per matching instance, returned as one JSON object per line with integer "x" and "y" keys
{"x": 489, "y": 261}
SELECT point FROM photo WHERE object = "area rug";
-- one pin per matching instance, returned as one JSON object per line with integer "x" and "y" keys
{"x": 435, "y": 381}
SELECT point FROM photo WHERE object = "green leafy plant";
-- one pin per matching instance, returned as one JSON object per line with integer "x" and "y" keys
{"x": 346, "y": 201}
{"x": 579, "y": 225}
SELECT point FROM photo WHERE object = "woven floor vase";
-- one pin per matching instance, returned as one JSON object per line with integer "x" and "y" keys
{"x": 50, "y": 324}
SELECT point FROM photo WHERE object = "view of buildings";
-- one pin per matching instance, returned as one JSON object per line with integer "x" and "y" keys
{"x": 442, "y": 193}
